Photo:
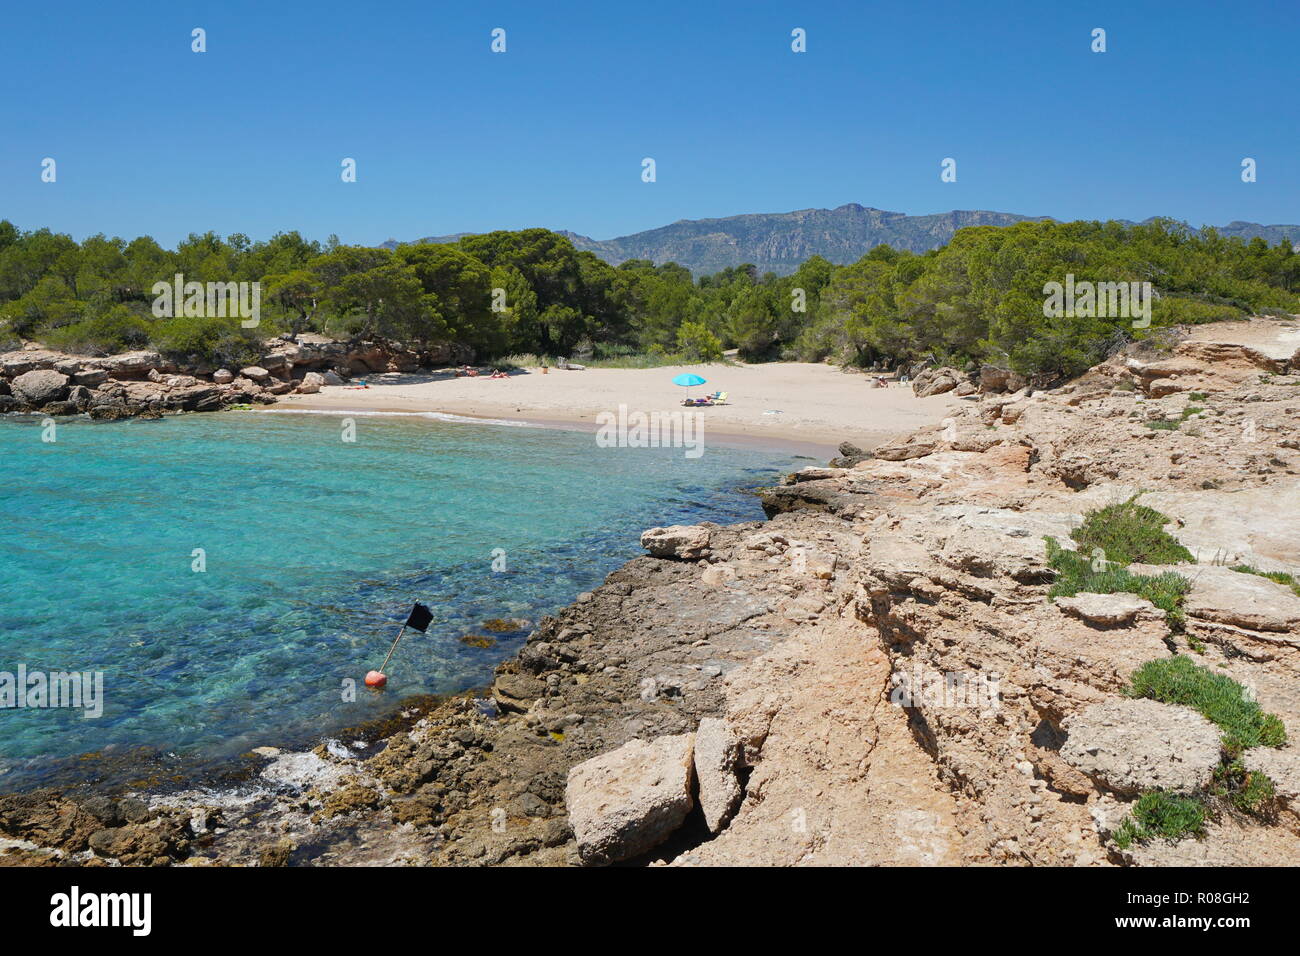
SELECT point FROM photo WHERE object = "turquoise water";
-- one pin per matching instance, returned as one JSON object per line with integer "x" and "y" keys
{"x": 314, "y": 550}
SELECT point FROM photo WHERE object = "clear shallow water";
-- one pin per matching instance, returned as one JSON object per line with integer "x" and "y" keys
{"x": 315, "y": 549}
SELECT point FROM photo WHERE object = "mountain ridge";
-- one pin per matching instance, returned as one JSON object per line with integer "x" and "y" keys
{"x": 780, "y": 242}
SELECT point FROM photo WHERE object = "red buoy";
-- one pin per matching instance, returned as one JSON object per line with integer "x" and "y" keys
{"x": 376, "y": 679}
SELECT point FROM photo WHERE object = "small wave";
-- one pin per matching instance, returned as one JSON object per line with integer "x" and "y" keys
{"x": 435, "y": 416}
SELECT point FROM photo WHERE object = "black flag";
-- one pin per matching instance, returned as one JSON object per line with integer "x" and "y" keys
{"x": 420, "y": 617}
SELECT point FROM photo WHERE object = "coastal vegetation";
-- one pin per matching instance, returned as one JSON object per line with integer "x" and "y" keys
{"x": 980, "y": 298}
{"x": 1128, "y": 532}
{"x": 1244, "y": 724}
{"x": 1112, "y": 537}
{"x": 1079, "y": 574}
{"x": 1220, "y": 699}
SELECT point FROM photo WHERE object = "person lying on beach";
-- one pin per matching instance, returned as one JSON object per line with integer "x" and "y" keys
{"x": 497, "y": 373}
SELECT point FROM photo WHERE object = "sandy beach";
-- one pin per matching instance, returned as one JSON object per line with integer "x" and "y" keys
{"x": 783, "y": 403}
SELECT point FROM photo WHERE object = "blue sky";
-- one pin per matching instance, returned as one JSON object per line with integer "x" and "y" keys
{"x": 151, "y": 138}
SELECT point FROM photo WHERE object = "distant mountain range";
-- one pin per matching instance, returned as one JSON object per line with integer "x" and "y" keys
{"x": 779, "y": 242}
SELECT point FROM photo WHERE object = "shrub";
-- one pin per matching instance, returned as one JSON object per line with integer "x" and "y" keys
{"x": 220, "y": 341}
{"x": 104, "y": 331}
{"x": 1217, "y": 697}
{"x": 696, "y": 341}
{"x": 1129, "y": 533}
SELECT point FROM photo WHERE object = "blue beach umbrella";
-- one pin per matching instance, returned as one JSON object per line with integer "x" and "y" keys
{"x": 688, "y": 379}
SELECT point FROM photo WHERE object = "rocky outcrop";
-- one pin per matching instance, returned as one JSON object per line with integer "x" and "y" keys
{"x": 717, "y": 757}
{"x": 1108, "y": 610}
{"x": 34, "y": 379}
{"x": 52, "y": 829}
{"x": 936, "y": 381}
{"x": 1243, "y": 600}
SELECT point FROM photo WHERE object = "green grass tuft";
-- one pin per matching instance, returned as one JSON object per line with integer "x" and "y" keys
{"x": 1217, "y": 697}
{"x": 1159, "y": 813}
{"x": 1075, "y": 575}
{"x": 1129, "y": 532}
{"x": 1249, "y": 791}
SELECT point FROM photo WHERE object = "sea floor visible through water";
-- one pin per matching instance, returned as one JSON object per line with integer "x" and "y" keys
{"x": 233, "y": 576}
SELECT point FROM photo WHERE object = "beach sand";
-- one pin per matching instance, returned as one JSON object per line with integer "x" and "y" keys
{"x": 792, "y": 405}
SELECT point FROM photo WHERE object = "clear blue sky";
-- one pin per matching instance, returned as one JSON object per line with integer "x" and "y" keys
{"x": 151, "y": 138}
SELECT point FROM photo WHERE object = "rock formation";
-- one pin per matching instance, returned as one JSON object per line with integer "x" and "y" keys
{"x": 34, "y": 379}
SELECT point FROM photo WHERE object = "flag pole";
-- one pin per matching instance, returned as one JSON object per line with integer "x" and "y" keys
{"x": 391, "y": 649}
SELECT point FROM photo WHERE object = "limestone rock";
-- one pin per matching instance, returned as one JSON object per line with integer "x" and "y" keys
{"x": 40, "y": 387}
{"x": 1282, "y": 767}
{"x": 516, "y": 691}
{"x": 1160, "y": 387}
{"x": 717, "y": 755}
{"x": 223, "y": 376}
{"x": 90, "y": 376}
{"x": 630, "y": 800}
{"x": 687, "y": 542}
{"x": 718, "y": 575}
{"x": 130, "y": 365}
{"x": 310, "y": 384}
{"x": 820, "y": 564}
{"x": 1243, "y": 600}
{"x": 1134, "y": 745}
{"x": 993, "y": 379}
{"x": 1108, "y": 610}
{"x": 902, "y": 451}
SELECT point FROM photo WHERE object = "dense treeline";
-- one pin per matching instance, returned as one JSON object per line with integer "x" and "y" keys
{"x": 979, "y": 298}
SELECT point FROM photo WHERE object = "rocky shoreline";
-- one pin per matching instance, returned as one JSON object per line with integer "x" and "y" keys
{"x": 813, "y": 689}
{"x": 147, "y": 385}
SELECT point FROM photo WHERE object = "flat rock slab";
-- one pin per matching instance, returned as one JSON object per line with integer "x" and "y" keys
{"x": 1134, "y": 745}
{"x": 693, "y": 614}
{"x": 630, "y": 800}
{"x": 1242, "y": 600}
{"x": 1108, "y": 610}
